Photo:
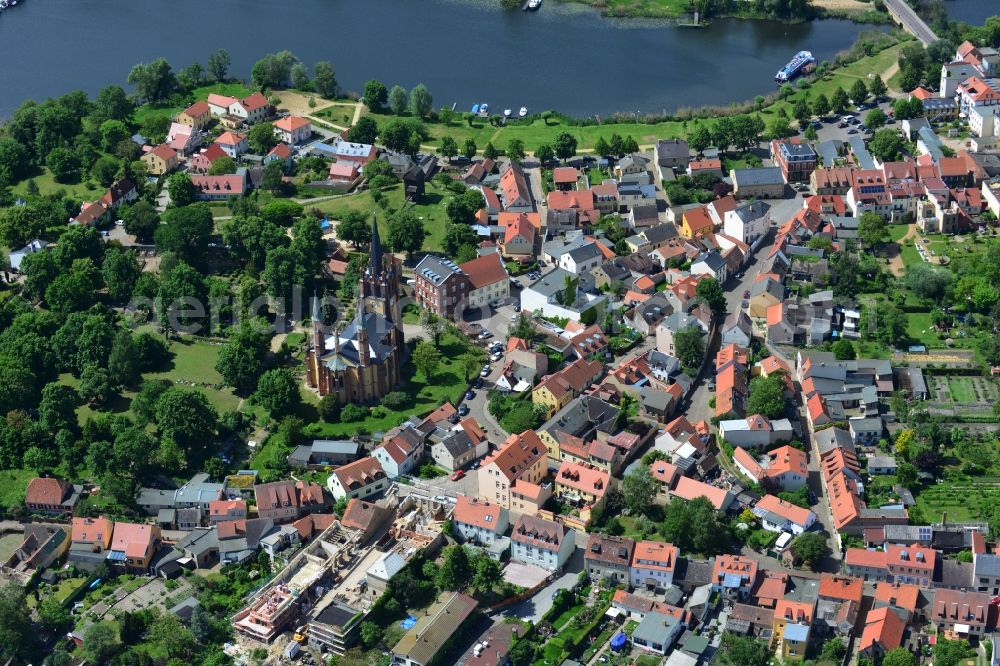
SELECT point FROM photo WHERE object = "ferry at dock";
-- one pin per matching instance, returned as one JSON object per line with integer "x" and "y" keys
{"x": 794, "y": 66}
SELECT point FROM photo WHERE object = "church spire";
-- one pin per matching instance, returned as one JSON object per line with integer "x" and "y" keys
{"x": 375, "y": 258}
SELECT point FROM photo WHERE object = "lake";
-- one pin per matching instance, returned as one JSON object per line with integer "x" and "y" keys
{"x": 971, "y": 11}
{"x": 563, "y": 56}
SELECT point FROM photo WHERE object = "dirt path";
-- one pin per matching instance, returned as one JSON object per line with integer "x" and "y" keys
{"x": 896, "y": 264}
{"x": 297, "y": 104}
{"x": 358, "y": 108}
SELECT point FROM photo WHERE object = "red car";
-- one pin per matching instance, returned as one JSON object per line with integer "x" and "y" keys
{"x": 458, "y": 475}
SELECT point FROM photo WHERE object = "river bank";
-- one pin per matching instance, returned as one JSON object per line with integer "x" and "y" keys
{"x": 681, "y": 11}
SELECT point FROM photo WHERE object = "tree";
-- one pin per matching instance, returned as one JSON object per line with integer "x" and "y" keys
{"x": 844, "y": 350}
{"x": 406, "y": 232}
{"x": 241, "y": 360}
{"x": 875, "y": 118}
{"x": 181, "y": 189}
{"x": 884, "y": 322}
{"x": 100, "y": 642}
{"x": 899, "y": 657}
{"x": 904, "y": 109}
{"x": 427, "y": 359}
{"x": 515, "y": 149}
{"x": 112, "y": 104}
{"x": 462, "y": 209}
{"x": 811, "y": 548}
{"x": 363, "y": 131}
{"x": 767, "y": 396}
{"x": 448, "y": 147}
{"x": 153, "y": 81}
{"x": 398, "y": 100}
{"x": 455, "y": 571}
{"x": 490, "y": 152}
{"x": 929, "y": 282}
{"x": 859, "y": 91}
{"x": 711, "y": 291}
{"x": 201, "y": 625}
{"x": 601, "y": 147}
{"x": 951, "y": 653}
{"x": 871, "y": 228}
{"x": 57, "y": 409}
{"x": 278, "y": 392}
{"x": 838, "y": 100}
{"x": 421, "y": 101}
{"x": 802, "y": 111}
{"x": 689, "y": 343}
{"x": 186, "y": 417}
{"x": 64, "y": 165}
{"x": 185, "y": 231}
{"x": 564, "y": 145}
{"x": 300, "y": 76}
{"x": 699, "y": 138}
{"x": 53, "y": 614}
{"x": 375, "y": 96}
{"x": 354, "y": 228}
{"x": 17, "y": 638}
{"x": 886, "y": 144}
{"x": 639, "y": 488}
{"x": 877, "y": 87}
{"x": 469, "y": 148}
{"x": 371, "y": 634}
{"x": 273, "y": 70}
{"x": 141, "y": 220}
{"x": 906, "y": 475}
{"x": 545, "y": 153}
{"x": 458, "y": 236}
{"x": 630, "y": 145}
{"x": 261, "y": 138}
{"x": 123, "y": 361}
{"x": 785, "y": 91}
{"x": 95, "y": 384}
{"x": 218, "y": 64}
{"x": 488, "y": 574}
{"x": 821, "y": 105}
{"x": 740, "y": 650}
{"x": 222, "y": 166}
{"x": 834, "y": 650}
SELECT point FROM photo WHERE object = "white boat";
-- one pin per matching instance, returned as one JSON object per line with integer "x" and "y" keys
{"x": 484, "y": 109}
{"x": 534, "y": 4}
{"x": 523, "y": 112}
{"x": 506, "y": 113}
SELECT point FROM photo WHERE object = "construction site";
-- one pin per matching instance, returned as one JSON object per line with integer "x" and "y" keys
{"x": 330, "y": 585}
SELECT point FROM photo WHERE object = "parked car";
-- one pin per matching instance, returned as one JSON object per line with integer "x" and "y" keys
{"x": 463, "y": 409}
{"x": 496, "y": 356}
{"x": 459, "y": 473}
{"x": 485, "y": 372}
{"x": 470, "y": 394}
{"x": 485, "y": 335}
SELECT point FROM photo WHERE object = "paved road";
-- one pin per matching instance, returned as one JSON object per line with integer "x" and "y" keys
{"x": 912, "y": 23}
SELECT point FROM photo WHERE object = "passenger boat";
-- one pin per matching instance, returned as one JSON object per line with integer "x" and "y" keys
{"x": 794, "y": 66}
{"x": 523, "y": 112}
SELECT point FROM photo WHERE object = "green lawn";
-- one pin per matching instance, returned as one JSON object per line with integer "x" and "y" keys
{"x": 194, "y": 361}
{"x": 430, "y": 209}
{"x": 65, "y": 587}
{"x": 87, "y": 190}
{"x": 962, "y": 390}
{"x": 8, "y": 544}
{"x": 964, "y": 501}
{"x": 12, "y": 485}
{"x": 447, "y": 386}
{"x": 643, "y": 8}
{"x": 897, "y": 231}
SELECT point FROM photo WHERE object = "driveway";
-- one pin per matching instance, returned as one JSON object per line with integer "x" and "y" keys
{"x": 534, "y": 608}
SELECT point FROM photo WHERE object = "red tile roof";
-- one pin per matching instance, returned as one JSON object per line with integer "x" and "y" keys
{"x": 476, "y": 512}
{"x": 47, "y": 492}
{"x": 841, "y": 588}
{"x": 884, "y": 627}
{"x": 485, "y": 270}
{"x": 291, "y": 123}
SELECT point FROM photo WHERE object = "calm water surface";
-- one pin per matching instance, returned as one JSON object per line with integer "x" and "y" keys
{"x": 564, "y": 56}
{"x": 972, "y": 11}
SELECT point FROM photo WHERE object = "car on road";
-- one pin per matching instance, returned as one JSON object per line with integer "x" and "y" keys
{"x": 852, "y": 131}
{"x": 746, "y": 293}
{"x": 842, "y": 125}
{"x": 470, "y": 394}
{"x": 496, "y": 356}
{"x": 485, "y": 335}
{"x": 463, "y": 409}
{"x": 459, "y": 473}
{"x": 453, "y": 419}
{"x": 485, "y": 372}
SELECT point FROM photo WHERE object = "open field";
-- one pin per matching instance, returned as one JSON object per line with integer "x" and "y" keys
{"x": 429, "y": 209}
{"x": 47, "y": 185}
{"x": 12, "y": 485}
{"x": 963, "y": 501}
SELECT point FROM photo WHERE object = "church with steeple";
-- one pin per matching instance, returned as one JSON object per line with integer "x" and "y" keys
{"x": 363, "y": 362}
